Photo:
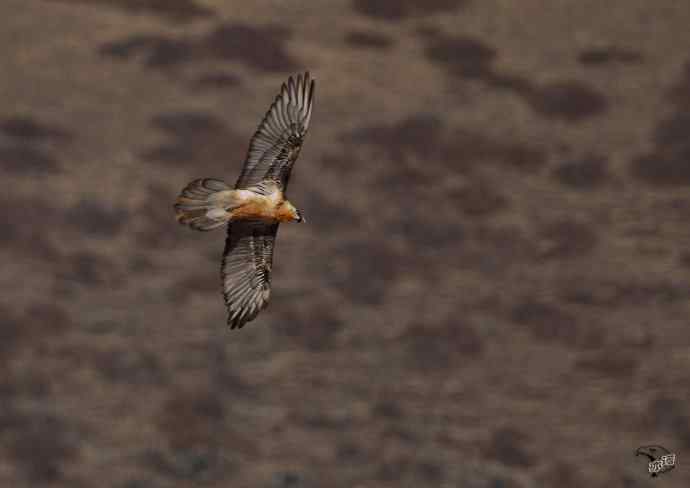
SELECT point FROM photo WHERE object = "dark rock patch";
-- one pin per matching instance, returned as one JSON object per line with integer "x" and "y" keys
{"x": 670, "y": 415}
{"x": 259, "y": 47}
{"x": 129, "y": 367}
{"x": 174, "y": 10}
{"x": 161, "y": 229}
{"x": 368, "y": 40}
{"x": 198, "y": 140}
{"x": 563, "y": 474}
{"x": 584, "y": 174}
{"x": 566, "y": 239}
{"x": 397, "y": 10}
{"x": 612, "y": 364}
{"x": 357, "y": 281}
{"x": 609, "y": 55}
{"x": 289, "y": 479}
{"x": 326, "y": 213}
{"x": 86, "y": 268}
{"x": 547, "y": 322}
{"x": 462, "y": 56}
{"x": 216, "y": 81}
{"x": 42, "y": 445}
{"x": 25, "y": 160}
{"x": 423, "y": 137}
{"x": 94, "y": 218}
{"x": 24, "y": 231}
{"x": 29, "y": 129}
{"x": 568, "y": 100}
{"x": 493, "y": 250}
{"x": 202, "y": 283}
{"x": 472, "y": 59}
{"x": 12, "y": 331}
{"x": 315, "y": 327}
{"x": 508, "y": 446}
{"x": 46, "y": 321}
{"x": 420, "y": 135}
{"x": 479, "y": 199}
{"x": 431, "y": 348}
{"x": 191, "y": 418}
{"x": 613, "y": 294}
{"x": 668, "y": 163}
{"x": 387, "y": 409}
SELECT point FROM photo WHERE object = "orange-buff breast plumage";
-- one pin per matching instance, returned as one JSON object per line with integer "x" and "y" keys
{"x": 271, "y": 208}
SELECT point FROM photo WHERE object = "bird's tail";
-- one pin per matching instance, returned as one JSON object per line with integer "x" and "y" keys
{"x": 204, "y": 204}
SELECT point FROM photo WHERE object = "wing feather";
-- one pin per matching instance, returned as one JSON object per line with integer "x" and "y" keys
{"x": 275, "y": 146}
{"x": 246, "y": 269}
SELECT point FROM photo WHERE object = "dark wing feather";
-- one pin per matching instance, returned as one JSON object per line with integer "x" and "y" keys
{"x": 277, "y": 142}
{"x": 246, "y": 269}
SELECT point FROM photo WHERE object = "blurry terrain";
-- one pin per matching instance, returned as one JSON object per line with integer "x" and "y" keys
{"x": 492, "y": 290}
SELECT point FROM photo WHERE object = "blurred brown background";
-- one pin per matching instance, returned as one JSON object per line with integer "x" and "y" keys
{"x": 491, "y": 291}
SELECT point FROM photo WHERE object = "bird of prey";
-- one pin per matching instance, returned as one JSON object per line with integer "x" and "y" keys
{"x": 257, "y": 205}
{"x": 660, "y": 458}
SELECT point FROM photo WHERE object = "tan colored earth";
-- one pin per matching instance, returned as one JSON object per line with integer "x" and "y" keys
{"x": 492, "y": 289}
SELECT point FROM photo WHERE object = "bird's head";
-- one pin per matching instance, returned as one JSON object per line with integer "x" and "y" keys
{"x": 298, "y": 217}
{"x": 289, "y": 213}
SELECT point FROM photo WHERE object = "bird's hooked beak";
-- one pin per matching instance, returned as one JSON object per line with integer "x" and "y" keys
{"x": 300, "y": 219}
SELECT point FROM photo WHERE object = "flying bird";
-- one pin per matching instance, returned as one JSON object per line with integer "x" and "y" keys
{"x": 257, "y": 205}
{"x": 660, "y": 458}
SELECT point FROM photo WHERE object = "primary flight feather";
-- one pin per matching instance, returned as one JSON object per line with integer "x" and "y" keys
{"x": 257, "y": 205}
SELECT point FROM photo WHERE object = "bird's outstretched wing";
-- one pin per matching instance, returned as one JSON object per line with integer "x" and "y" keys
{"x": 651, "y": 452}
{"x": 277, "y": 142}
{"x": 246, "y": 269}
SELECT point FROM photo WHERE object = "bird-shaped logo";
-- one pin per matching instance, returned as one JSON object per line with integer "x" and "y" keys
{"x": 256, "y": 206}
{"x": 660, "y": 459}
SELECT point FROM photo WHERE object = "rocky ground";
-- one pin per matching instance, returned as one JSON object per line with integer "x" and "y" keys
{"x": 492, "y": 290}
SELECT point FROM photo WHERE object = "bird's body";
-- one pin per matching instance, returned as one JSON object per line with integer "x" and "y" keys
{"x": 268, "y": 208}
{"x": 257, "y": 205}
{"x": 236, "y": 205}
